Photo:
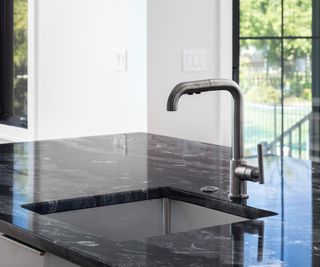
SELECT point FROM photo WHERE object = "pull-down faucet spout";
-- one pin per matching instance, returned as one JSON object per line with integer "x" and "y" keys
{"x": 198, "y": 87}
{"x": 239, "y": 171}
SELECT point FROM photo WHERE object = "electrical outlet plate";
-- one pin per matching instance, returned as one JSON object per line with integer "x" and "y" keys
{"x": 120, "y": 60}
{"x": 194, "y": 60}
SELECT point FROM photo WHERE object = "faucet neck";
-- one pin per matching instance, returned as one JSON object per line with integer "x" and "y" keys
{"x": 237, "y": 121}
{"x": 198, "y": 87}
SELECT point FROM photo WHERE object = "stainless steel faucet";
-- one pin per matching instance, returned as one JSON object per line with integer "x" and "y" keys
{"x": 240, "y": 172}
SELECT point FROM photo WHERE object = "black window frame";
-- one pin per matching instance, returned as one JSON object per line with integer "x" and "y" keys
{"x": 315, "y": 37}
{"x": 6, "y": 58}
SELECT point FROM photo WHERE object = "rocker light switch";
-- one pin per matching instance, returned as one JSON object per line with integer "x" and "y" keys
{"x": 194, "y": 60}
{"x": 120, "y": 60}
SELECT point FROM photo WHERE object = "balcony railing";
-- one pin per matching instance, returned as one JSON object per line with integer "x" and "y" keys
{"x": 263, "y": 123}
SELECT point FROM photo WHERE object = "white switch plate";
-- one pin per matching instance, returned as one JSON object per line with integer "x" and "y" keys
{"x": 120, "y": 60}
{"x": 194, "y": 60}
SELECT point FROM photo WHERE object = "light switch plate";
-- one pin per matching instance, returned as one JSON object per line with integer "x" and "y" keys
{"x": 120, "y": 60}
{"x": 194, "y": 60}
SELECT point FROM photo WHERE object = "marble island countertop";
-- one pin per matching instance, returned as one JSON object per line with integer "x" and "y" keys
{"x": 94, "y": 171}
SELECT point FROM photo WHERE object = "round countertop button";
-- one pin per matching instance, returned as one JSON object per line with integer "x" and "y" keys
{"x": 209, "y": 189}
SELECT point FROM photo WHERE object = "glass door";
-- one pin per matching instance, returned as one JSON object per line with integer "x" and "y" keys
{"x": 276, "y": 53}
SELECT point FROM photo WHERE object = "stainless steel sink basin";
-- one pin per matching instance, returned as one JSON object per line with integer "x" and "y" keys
{"x": 138, "y": 214}
{"x": 142, "y": 219}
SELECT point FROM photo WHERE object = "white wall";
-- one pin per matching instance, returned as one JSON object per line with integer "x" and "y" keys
{"x": 75, "y": 91}
{"x": 225, "y": 67}
{"x": 79, "y": 93}
{"x": 174, "y": 25}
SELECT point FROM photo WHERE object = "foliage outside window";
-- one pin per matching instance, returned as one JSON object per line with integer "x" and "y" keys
{"x": 275, "y": 73}
{"x": 20, "y": 57}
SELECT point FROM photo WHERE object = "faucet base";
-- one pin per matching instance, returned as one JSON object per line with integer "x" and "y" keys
{"x": 238, "y": 187}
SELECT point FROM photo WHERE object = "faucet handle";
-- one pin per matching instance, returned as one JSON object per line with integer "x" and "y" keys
{"x": 260, "y": 163}
{"x": 251, "y": 173}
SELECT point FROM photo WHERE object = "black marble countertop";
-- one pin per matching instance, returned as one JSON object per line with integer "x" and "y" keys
{"x": 96, "y": 171}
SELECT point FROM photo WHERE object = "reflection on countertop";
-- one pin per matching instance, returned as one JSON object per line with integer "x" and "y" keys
{"x": 83, "y": 168}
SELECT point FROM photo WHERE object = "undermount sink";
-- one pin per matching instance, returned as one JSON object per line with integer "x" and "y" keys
{"x": 138, "y": 214}
{"x": 142, "y": 219}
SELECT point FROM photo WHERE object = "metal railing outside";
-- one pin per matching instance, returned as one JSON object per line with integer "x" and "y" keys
{"x": 263, "y": 123}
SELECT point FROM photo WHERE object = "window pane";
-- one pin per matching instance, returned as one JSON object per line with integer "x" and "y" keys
{"x": 20, "y": 63}
{"x": 297, "y": 17}
{"x": 260, "y": 18}
{"x": 260, "y": 81}
{"x": 297, "y": 96}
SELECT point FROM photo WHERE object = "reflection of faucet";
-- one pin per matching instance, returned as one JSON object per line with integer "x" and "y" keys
{"x": 120, "y": 145}
{"x": 240, "y": 172}
{"x": 238, "y": 230}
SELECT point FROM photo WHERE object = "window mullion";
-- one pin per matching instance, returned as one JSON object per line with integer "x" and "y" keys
{"x": 314, "y": 123}
{"x": 236, "y": 41}
{"x": 6, "y": 55}
{"x": 282, "y": 78}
